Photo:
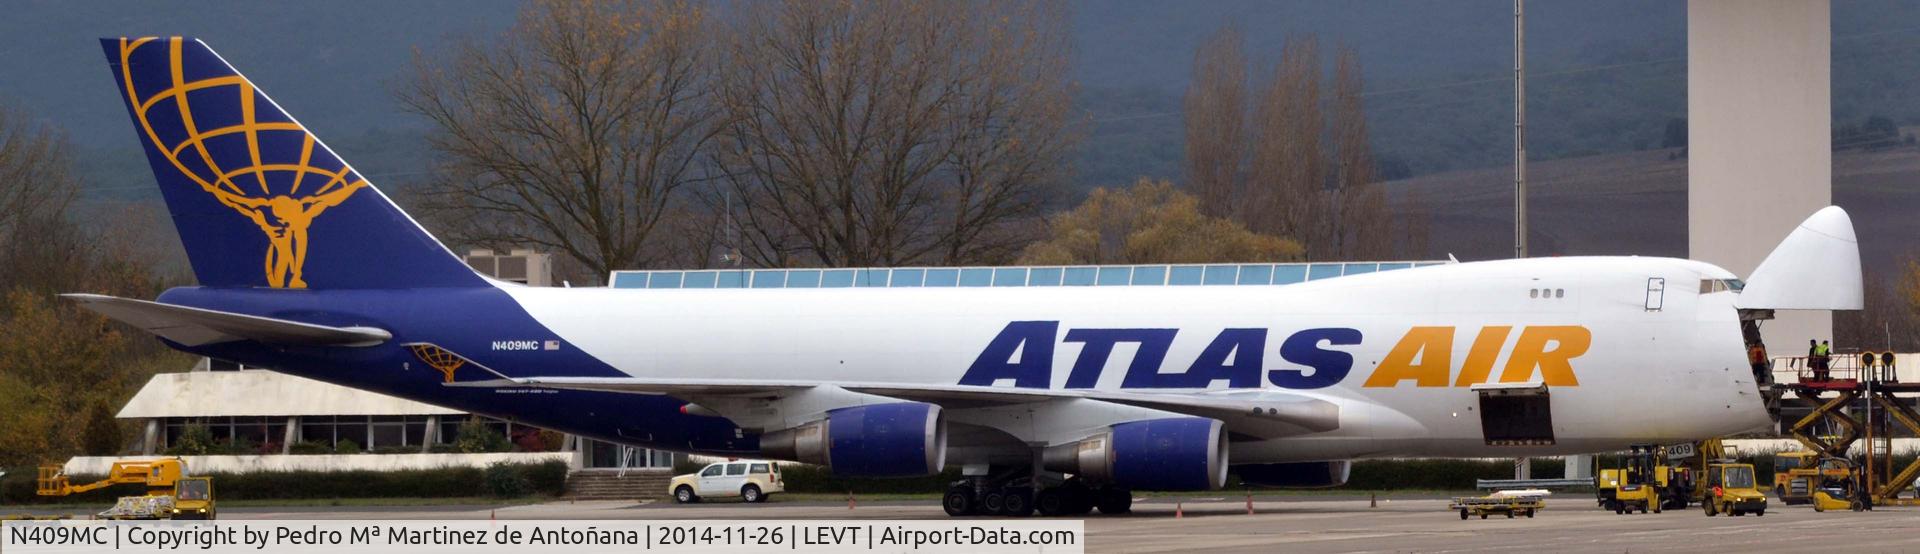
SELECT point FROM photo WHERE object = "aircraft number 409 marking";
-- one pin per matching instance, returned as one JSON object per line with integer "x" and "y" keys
{"x": 1023, "y": 352}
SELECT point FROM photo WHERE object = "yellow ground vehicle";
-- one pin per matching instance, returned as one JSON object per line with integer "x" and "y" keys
{"x": 1637, "y": 486}
{"x": 1796, "y": 475}
{"x": 1498, "y": 503}
{"x": 751, "y": 480}
{"x": 171, "y": 494}
{"x": 1837, "y": 487}
{"x": 1732, "y": 490}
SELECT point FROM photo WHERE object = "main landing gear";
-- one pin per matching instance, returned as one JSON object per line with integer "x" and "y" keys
{"x": 1016, "y": 497}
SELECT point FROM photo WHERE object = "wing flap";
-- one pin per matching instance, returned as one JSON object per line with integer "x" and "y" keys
{"x": 195, "y": 326}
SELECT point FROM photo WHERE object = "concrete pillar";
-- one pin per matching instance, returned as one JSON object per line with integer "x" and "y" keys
{"x": 1523, "y": 468}
{"x": 1759, "y": 137}
{"x": 150, "y": 437}
{"x": 1579, "y": 467}
{"x": 292, "y": 434}
{"x": 432, "y": 435}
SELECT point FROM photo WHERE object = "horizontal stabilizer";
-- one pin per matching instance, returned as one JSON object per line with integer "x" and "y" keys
{"x": 195, "y": 326}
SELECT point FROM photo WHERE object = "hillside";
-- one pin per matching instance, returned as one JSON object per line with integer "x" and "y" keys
{"x": 1636, "y": 203}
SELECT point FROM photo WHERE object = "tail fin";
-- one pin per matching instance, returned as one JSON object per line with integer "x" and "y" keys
{"x": 258, "y": 200}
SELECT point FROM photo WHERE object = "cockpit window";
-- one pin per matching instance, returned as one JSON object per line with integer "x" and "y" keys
{"x": 1708, "y": 286}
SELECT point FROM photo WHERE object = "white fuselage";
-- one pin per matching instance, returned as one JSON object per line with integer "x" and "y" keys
{"x": 1667, "y": 368}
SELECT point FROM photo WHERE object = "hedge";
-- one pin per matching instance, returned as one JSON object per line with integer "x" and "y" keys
{"x": 812, "y": 478}
{"x": 500, "y": 480}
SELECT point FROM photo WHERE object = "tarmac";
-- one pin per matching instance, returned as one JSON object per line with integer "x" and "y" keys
{"x": 1570, "y": 523}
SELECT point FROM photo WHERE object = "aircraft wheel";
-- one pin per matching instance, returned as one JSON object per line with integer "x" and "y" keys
{"x": 1114, "y": 501}
{"x": 993, "y": 502}
{"x": 959, "y": 501}
{"x": 1017, "y": 502}
{"x": 1079, "y": 498}
{"x": 1051, "y": 502}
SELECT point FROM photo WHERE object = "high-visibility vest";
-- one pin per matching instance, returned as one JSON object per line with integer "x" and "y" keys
{"x": 1821, "y": 350}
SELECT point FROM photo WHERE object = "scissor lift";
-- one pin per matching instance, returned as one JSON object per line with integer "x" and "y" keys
{"x": 1850, "y": 378}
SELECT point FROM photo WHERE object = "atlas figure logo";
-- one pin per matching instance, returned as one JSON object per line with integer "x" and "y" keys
{"x": 1023, "y": 353}
{"x": 221, "y": 133}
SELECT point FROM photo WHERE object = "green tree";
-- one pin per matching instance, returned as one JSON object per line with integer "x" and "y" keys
{"x": 102, "y": 436}
{"x": 1151, "y": 222}
{"x": 475, "y": 436}
{"x": 194, "y": 440}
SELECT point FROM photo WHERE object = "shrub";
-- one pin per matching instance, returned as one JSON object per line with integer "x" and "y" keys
{"x": 475, "y": 437}
{"x": 346, "y": 447}
{"x": 309, "y": 447}
{"x": 397, "y": 450}
{"x": 506, "y": 481}
{"x": 194, "y": 440}
{"x": 546, "y": 477}
{"x": 813, "y": 478}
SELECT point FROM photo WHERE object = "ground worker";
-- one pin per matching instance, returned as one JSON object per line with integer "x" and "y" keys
{"x": 1757, "y": 356}
{"x": 1814, "y": 361}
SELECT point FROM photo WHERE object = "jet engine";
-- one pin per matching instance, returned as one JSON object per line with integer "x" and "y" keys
{"x": 1296, "y": 475}
{"x": 897, "y": 439}
{"x": 1178, "y": 453}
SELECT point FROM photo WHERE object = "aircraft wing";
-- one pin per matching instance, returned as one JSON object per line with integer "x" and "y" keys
{"x": 194, "y": 326}
{"x": 1254, "y": 413}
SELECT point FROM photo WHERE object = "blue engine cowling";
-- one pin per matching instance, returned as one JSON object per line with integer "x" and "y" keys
{"x": 1296, "y": 475}
{"x": 1172, "y": 454}
{"x": 900, "y": 439}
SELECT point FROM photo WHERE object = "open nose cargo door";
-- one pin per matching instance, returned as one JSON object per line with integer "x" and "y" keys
{"x": 1816, "y": 268}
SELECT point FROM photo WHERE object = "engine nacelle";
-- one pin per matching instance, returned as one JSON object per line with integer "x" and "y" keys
{"x": 1173, "y": 454}
{"x": 877, "y": 440}
{"x": 1296, "y": 475}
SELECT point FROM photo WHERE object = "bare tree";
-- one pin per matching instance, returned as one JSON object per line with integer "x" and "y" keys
{"x": 1356, "y": 225}
{"x": 36, "y": 177}
{"x": 1288, "y": 169}
{"x": 573, "y": 131}
{"x": 1216, "y": 121}
{"x": 880, "y": 133}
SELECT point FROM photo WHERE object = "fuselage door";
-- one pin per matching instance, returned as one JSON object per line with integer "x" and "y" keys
{"x": 1656, "y": 293}
{"x": 1516, "y": 414}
